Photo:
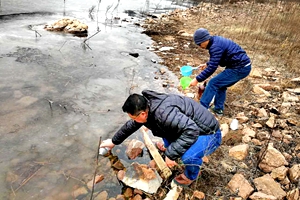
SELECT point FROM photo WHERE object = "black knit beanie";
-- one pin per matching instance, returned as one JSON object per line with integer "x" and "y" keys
{"x": 201, "y": 35}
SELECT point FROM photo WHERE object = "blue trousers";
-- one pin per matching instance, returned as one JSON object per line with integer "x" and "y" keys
{"x": 218, "y": 85}
{"x": 192, "y": 158}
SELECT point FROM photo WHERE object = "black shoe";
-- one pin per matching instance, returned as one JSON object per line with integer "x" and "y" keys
{"x": 218, "y": 112}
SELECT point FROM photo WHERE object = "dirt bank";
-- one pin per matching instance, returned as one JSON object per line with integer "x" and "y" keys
{"x": 244, "y": 23}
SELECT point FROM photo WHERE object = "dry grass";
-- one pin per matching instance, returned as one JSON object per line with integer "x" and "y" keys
{"x": 272, "y": 30}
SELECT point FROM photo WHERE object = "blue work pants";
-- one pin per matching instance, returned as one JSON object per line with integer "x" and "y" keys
{"x": 217, "y": 86}
{"x": 192, "y": 158}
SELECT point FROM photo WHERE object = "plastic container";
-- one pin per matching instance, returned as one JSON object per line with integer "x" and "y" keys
{"x": 103, "y": 150}
{"x": 187, "y": 70}
{"x": 185, "y": 82}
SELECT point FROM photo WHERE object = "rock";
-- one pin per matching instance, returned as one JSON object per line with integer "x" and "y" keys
{"x": 293, "y": 195}
{"x": 262, "y": 113}
{"x": 256, "y": 142}
{"x": 259, "y": 90}
{"x": 198, "y": 195}
{"x": 297, "y": 80}
{"x": 162, "y": 70}
{"x": 272, "y": 159}
{"x": 283, "y": 124}
{"x": 153, "y": 60}
{"x": 249, "y": 132}
{"x": 295, "y": 90}
{"x": 153, "y": 164}
{"x": 229, "y": 168}
{"x": 137, "y": 197}
{"x": 239, "y": 152}
{"x": 128, "y": 193}
{"x": 68, "y": 25}
{"x": 134, "y": 149}
{"x": 267, "y": 185}
{"x": 246, "y": 139}
{"x": 120, "y": 197}
{"x": 262, "y": 196}
{"x": 289, "y": 97}
{"x": 103, "y": 195}
{"x": 141, "y": 177}
{"x": 137, "y": 191}
{"x": 79, "y": 191}
{"x": 165, "y": 84}
{"x": 166, "y": 48}
{"x": 255, "y": 73}
{"x": 134, "y": 55}
{"x": 257, "y": 125}
{"x": 238, "y": 184}
{"x": 190, "y": 95}
{"x": 271, "y": 122}
{"x": 285, "y": 181}
{"x": 279, "y": 173}
{"x": 263, "y": 136}
{"x": 118, "y": 165}
{"x": 98, "y": 178}
{"x": 294, "y": 173}
{"x": 224, "y": 129}
{"x": 269, "y": 87}
{"x": 277, "y": 134}
{"x": 241, "y": 117}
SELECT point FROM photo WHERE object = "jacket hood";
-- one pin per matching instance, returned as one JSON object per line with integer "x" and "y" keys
{"x": 155, "y": 97}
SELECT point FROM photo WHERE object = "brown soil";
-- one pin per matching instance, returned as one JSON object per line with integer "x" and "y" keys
{"x": 239, "y": 22}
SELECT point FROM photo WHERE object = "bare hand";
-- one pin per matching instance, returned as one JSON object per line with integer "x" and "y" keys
{"x": 202, "y": 67}
{"x": 107, "y": 143}
{"x": 194, "y": 82}
{"x": 170, "y": 163}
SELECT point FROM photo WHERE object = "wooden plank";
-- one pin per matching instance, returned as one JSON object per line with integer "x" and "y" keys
{"x": 166, "y": 172}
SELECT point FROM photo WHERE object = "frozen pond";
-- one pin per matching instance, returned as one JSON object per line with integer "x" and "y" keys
{"x": 59, "y": 95}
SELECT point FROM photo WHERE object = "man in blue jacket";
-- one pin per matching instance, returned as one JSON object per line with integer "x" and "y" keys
{"x": 189, "y": 130}
{"x": 225, "y": 53}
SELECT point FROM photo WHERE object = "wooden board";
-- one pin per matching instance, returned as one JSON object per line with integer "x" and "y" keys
{"x": 166, "y": 172}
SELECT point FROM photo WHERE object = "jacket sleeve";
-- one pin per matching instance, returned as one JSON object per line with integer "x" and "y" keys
{"x": 188, "y": 129}
{"x": 125, "y": 131}
{"x": 212, "y": 65}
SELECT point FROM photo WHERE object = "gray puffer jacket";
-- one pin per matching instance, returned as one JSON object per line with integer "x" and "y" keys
{"x": 176, "y": 118}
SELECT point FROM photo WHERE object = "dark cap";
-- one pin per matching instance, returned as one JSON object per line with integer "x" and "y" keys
{"x": 201, "y": 35}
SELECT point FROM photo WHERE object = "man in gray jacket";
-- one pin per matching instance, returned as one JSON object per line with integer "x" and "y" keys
{"x": 189, "y": 130}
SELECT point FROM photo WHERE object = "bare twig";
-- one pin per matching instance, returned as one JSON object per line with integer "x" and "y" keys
{"x": 50, "y": 104}
{"x": 97, "y": 157}
{"x": 262, "y": 155}
{"x": 28, "y": 179}
{"x": 62, "y": 45}
{"x": 37, "y": 33}
{"x": 98, "y": 15}
{"x": 72, "y": 177}
{"x": 12, "y": 189}
{"x": 91, "y": 36}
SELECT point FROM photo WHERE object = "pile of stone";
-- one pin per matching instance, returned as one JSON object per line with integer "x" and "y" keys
{"x": 68, "y": 25}
{"x": 269, "y": 125}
